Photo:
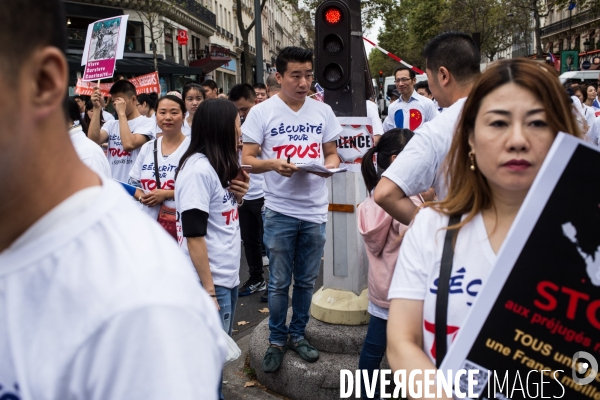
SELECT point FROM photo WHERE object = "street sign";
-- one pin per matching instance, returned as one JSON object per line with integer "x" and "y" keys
{"x": 586, "y": 64}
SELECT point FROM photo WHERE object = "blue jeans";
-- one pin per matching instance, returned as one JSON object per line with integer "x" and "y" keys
{"x": 295, "y": 248}
{"x": 372, "y": 352}
{"x": 227, "y": 299}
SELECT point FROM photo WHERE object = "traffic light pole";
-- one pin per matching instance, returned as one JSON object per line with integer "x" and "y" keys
{"x": 341, "y": 69}
{"x": 260, "y": 72}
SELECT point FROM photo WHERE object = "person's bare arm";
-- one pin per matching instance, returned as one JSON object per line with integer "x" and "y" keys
{"x": 279, "y": 165}
{"x": 129, "y": 140}
{"x": 376, "y": 139}
{"x": 405, "y": 339}
{"x": 199, "y": 256}
{"x": 95, "y": 132}
{"x": 392, "y": 199}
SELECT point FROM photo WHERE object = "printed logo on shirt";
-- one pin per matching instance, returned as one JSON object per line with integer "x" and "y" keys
{"x": 312, "y": 150}
{"x": 7, "y": 393}
{"x": 116, "y": 147}
{"x": 430, "y": 327}
{"x": 458, "y": 286}
{"x": 291, "y": 129}
{"x": 150, "y": 184}
{"x": 413, "y": 116}
{"x": 230, "y": 215}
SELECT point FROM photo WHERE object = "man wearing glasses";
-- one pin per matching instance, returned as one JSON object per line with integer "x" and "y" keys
{"x": 411, "y": 110}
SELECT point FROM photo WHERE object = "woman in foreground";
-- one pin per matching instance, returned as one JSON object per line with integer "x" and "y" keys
{"x": 507, "y": 127}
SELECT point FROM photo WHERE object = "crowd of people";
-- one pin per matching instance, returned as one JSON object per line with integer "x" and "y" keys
{"x": 98, "y": 301}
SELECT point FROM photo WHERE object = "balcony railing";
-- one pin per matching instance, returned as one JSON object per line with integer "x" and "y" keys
{"x": 212, "y": 50}
{"x": 199, "y": 11}
{"x": 569, "y": 23}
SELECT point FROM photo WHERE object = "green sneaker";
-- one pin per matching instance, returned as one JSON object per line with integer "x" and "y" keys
{"x": 272, "y": 359}
{"x": 304, "y": 350}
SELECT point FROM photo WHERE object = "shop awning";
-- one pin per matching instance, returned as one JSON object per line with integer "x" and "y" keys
{"x": 134, "y": 65}
{"x": 210, "y": 63}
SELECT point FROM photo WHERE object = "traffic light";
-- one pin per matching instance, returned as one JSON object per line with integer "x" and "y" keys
{"x": 333, "y": 56}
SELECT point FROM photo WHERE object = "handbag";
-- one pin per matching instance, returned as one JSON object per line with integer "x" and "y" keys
{"x": 441, "y": 301}
{"x": 166, "y": 215}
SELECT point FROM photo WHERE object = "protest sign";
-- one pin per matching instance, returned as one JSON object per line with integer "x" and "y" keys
{"x": 104, "y": 45}
{"x": 148, "y": 83}
{"x": 535, "y": 326}
{"x": 355, "y": 140}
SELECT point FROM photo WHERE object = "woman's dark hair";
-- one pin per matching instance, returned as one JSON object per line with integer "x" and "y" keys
{"x": 86, "y": 118}
{"x": 194, "y": 86}
{"x": 172, "y": 98}
{"x": 581, "y": 89}
{"x": 214, "y": 135}
{"x": 72, "y": 113}
{"x": 390, "y": 144}
{"x": 148, "y": 99}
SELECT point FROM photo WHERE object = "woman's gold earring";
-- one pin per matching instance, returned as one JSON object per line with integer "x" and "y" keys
{"x": 472, "y": 158}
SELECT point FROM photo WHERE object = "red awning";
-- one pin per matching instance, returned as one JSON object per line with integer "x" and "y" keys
{"x": 209, "y": 64}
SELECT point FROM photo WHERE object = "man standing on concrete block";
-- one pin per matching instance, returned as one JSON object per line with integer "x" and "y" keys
{"x": 286, "y": 130}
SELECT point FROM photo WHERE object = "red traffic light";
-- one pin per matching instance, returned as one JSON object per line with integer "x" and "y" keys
{"x": 333, "y": 15}
{"x": 380, "y": 73}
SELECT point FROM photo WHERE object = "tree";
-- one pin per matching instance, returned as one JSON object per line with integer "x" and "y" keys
{"x": 245, "y": 33}
{"x": 150, "y": 13}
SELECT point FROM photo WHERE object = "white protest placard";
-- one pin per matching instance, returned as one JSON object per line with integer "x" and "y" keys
{"x": 355, "y": 140}
{"x": 536, "y": 321}
{"x": 104, "y": 45}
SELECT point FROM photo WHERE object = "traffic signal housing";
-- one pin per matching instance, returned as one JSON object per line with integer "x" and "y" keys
{"x": 333, "y": 55}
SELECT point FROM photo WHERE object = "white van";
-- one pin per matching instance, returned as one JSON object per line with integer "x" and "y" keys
{"x": 587, "y": 76}
{"x": 388, "y": 86}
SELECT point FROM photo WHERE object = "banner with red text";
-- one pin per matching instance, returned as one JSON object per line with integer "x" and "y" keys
{"x": 534, "y": 329}
{"x": 143, "y": 84}
{"x": 355, "y": 140}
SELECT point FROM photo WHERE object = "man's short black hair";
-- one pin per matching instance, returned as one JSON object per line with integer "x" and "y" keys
{"x": 259, "y": 85}
{"x": 457, "y": 52}
{"x": 209, "y": 83}
{"x": 242, "y": 90}
{"x": 123, "y": 87}
{"x": 423, "y": 85}
{"x": 411, "y": 73}
{"x": 26, "y": 25}
{"x": 292, "y": 54}
{"x": 272, "y": 82}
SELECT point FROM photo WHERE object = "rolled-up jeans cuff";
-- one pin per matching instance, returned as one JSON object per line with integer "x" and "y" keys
{"x": 296, "y": 338}
{"x": 280, "y": 344}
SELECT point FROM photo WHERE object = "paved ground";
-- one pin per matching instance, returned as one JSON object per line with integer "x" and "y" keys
{"x": 248, "y": 306}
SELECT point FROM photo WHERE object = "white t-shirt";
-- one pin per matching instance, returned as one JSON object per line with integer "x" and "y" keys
{"x": 89, "y": 152}
{"x": 107, "y": 116}
{"x": 410, "y": 115}
{"x": 143, "y": 171}
{"x": 283, "y": 132}
{"x": 593, "y": 134}
{"x": 417, "y": 167}
{"x": 97, "y": 303}
{"x": 186, "y": 128}
{"x": 157, "y": 129}
{"x": 121, "y": 161}
{"x": 418, "y": 268}
{"x": 198, "y": 187}
{"x": 373, "y": 113}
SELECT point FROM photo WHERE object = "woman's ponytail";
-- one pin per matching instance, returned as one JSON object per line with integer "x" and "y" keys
{"x": 367, "y": 167}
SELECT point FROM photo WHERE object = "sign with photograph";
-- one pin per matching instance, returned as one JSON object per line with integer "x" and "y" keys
{"x": 535, "y": 326}
{"x": 104, "y": 45}
{"x": 569, "y": 61}
{"x": 355, "y": 140}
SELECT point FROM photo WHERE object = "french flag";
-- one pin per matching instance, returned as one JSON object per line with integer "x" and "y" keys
{"x": 596, "y": 104}
{"x": 552, "y": 58}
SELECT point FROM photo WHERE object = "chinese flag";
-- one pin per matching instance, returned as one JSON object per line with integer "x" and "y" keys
{"x": 415, "y": 119}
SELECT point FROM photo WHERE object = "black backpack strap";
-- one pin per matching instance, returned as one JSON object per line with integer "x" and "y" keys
{"x": 441, "y": 303}
{"x": 156, "y": 164}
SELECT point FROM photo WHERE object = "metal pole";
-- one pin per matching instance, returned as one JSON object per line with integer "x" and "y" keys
{"x": 570, "y": 26}
{"x": 260, "y": 73}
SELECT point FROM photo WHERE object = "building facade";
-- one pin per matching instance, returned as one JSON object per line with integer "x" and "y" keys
{"x": 214, "y": 45}
{"x": 578, "y": 30}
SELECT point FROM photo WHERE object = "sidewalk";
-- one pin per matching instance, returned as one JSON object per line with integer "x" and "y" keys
{"x": 240, "y": 381}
